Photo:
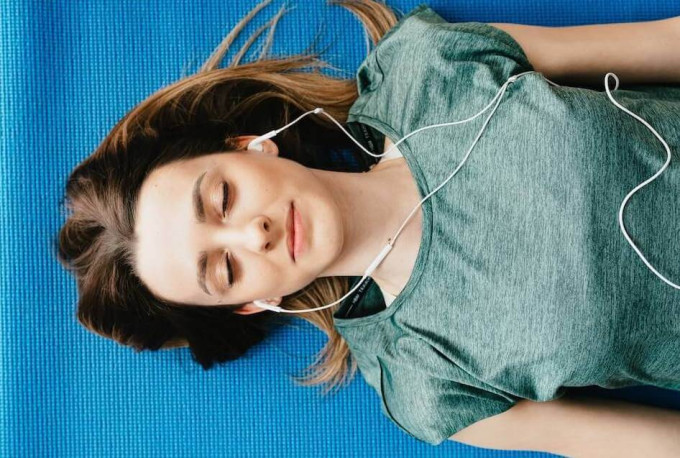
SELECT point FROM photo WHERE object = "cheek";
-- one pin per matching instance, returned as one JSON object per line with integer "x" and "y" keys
{"x": 265, "y": 185}
{"x": 260, "y": 275}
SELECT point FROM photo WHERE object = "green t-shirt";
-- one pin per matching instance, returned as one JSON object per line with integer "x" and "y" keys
{"x": 524, "y": 284}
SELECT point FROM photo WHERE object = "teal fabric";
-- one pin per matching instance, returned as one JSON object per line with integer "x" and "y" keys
{"x": 524, "y": 284}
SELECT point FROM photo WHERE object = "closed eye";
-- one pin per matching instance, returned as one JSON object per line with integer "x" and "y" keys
{"x": 230, "y": 272}
{"x": 225, "y": 198}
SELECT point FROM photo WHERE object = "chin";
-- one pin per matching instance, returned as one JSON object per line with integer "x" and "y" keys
{"x": 325, "y": 240}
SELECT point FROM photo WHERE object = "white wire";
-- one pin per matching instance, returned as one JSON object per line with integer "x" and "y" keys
{"x": 644, "y": 183}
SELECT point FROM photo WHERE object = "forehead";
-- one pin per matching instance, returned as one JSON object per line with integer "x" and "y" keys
{"x": 164, "y": 227}
{"x": 182, "y": 169}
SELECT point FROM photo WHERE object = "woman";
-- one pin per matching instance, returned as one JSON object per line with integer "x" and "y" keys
{"x": 506, "y": 287}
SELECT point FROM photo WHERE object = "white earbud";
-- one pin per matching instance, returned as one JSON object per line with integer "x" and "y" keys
{"x": 263, "y": 304}
{"x": 256, "y": 146}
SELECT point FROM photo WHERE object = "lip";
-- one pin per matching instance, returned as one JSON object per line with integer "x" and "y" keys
{"x": 298, "y": 234}
{"x": 290, "y": 226}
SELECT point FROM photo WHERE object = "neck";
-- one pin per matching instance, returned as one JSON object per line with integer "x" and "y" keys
{"x": 373, "y": 205}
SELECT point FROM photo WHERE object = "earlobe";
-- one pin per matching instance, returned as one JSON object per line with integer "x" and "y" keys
{"x": 248, "y": 309}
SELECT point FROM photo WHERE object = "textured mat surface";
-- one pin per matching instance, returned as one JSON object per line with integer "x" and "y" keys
{"x": 68, "y": 71}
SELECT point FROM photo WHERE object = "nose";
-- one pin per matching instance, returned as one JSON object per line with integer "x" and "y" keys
{"x": 256, "y": 235}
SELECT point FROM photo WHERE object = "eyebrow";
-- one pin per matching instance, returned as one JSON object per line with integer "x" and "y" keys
{"x": 202, "y": 265}
{"x": 199, "y": 210}
{"x": 199, "y": 214}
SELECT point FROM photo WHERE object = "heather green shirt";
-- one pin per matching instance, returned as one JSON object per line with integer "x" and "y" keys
{"x": 524, "y": 284}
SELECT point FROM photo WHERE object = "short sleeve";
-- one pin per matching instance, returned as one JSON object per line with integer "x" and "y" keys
{"x": 425, "y": 65}
{"x": 424, "y": 39}
{"x": 470, "y": 41}
{"x": 433, "y": 409}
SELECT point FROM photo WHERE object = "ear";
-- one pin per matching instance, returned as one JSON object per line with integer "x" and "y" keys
{"x": 251, "y": 308}
{"x": 268, "y": 146}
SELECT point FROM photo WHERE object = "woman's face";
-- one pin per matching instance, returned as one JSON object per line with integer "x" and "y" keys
{"x": 261, "y": 187}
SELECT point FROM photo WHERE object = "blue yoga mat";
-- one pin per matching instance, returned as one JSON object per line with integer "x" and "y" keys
{"x": 68, "y": 71}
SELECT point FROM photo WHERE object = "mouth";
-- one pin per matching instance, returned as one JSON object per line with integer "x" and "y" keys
{"x": 290, "y": 225}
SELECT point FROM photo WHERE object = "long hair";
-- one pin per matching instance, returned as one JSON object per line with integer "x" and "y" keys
{"x": 198, "y": 115}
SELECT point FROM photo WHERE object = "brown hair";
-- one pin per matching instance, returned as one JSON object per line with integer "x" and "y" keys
{"x": 199, "y": 115}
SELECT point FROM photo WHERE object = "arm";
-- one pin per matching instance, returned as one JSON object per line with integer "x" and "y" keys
{"x": 580, "y": 426}
{"x": 637, "y": 52}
